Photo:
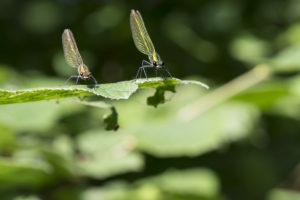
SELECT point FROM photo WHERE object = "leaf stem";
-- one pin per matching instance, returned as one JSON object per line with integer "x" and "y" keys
{"x": 257, "y": 74}
{"x": 98, "y": 104}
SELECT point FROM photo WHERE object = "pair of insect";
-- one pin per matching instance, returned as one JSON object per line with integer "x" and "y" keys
{"x": 141, "y": 40}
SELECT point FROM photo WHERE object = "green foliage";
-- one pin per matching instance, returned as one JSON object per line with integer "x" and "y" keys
{"x": 271, "y": 91}
{"x": 104, "y": 155}
{"x": 115, "y": 91}
{"x": 237, "y": 140}
{"x": 159, "y": 95}
{"x": 198, "y": 183}
{"x": 26, "y": 198}
{"x": 18, "y": 172}
{"x": 111, "y": 120}
{"x": 121, "y": 90}
{"x": 203, "y": 135}
{"x": 281, "y": 194}
{"x": 162, "y": 87}
{"x": 287, "y": 60}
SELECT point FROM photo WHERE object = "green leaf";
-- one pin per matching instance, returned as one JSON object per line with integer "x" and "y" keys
{"x": 169, "y": 132}
{"x": 191, "y": 182}
{"x": 120, "y": 90}
{"x": 250, "y": 49}
{"x": 163, "y": 86}
{"x": 289, "y": 104}
{"x": 111, "y": 119}
{"x": 8, "y": 139}
{"x": 19, "y": 173}
{"x": 60, "y": 156}
{"x": 104, "y": 155}
{"x": 265, "y": 94}
{"x": 159, "y": 95}
{"x": 35, "y": 116}
{"x": 209, "y": 131}
{"x": 283, "y": 194}
{"x": 26, "y": 198}
{"x": 288, "y": 60}
{"x": 198, "y": 183}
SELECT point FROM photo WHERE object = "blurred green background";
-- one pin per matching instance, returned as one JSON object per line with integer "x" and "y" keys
{"x": 241, "y": 146}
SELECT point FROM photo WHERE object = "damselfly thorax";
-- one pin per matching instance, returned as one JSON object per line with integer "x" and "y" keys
{"x": 156, "y": 60}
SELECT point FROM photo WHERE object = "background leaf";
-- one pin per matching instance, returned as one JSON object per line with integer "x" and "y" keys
{"x": 105, "y": 155}
{"x": 160, "y": 139}
{"x": 187, "y": 184}
{"x": 281, "y": 194}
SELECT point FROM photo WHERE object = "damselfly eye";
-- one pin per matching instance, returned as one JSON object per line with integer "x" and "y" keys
{"x": 163, "y": 63}
{"x": 81, "y": 74}
{"x": 154, "y": 63}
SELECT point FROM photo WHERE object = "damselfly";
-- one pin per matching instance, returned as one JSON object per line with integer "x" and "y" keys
{"x": 144, "y": 44}
{"x": 73, "y": 57}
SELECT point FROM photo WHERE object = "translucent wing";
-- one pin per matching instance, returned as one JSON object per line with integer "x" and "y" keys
{"x": 71, "y": 52}
{"x": 140, "y": 35}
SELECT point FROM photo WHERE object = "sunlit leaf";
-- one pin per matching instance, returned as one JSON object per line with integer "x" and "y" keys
{"x": 110, "y": 119}
{"x": 205, "y": 133}
{"x": 283, "y": 194}
{"x": 8, "y": 139}
{"x": 35, "y": 116}
{"x": 162, "y": 87}
{"x": 103, "y": 155}
{"x": 22, "y": 174}
{"x": 288, "y": 60}
{"x": 26, "y": 198}
{"x": 120, "y": 90}
{"x": 191, "y": 182}
{"x": 186, "y": 184}
{"x": 264, "y": 95}
{"x": 250, "y": 49}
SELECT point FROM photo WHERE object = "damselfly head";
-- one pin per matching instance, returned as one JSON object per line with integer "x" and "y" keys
{"x": 84, "y": 72}
{"x": 158, "y": 65}
{"x": 85, "y": 75}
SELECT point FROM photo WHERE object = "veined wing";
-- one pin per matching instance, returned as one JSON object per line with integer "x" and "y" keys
{"x": 140, "y": 35}
{"x": 71, "y": 52}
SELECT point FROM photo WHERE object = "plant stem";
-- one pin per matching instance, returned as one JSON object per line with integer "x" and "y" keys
{"x": 98, "y": 104}
{"x": 257, "y": 74}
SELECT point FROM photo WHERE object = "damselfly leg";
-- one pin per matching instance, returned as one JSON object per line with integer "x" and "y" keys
{"x": 77, "y": 79}
{"x": 142, "y": 69}
{"x": 93, "y": 78}
{"x": 71, "y": 78}
{"x": 166, "y": 69}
